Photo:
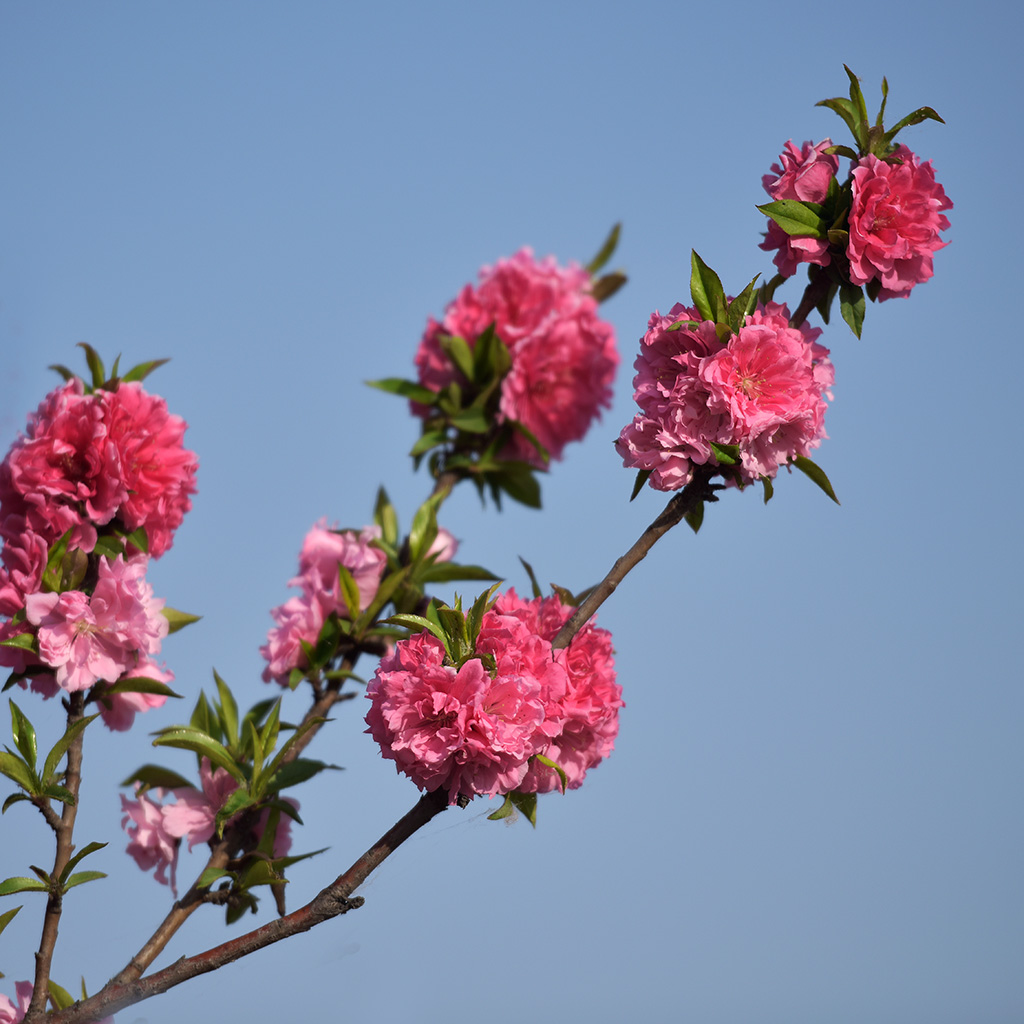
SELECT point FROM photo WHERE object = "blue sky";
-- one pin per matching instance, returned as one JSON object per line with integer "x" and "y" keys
{"x": 813, "y": 809}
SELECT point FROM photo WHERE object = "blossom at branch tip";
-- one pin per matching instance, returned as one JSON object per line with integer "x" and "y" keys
{"x": 563, "y": 355}
{"x": 895, "y": 222}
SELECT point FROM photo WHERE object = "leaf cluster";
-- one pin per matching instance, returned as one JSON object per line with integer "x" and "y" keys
{"x": 99, "y": 379}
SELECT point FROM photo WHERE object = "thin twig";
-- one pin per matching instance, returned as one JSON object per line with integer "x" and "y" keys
{"x": 336, "y": 899}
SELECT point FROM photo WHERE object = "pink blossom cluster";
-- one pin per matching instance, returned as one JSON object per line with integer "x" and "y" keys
{"x": 155, "y": 830}
{"x": 803, "y": 174}
{"x": 763, "y": 391}
{"x": 300, "y": 619}
{"x": 87, "y": 461}
{"x": 895, "y": 222}
{"x": 563, "y": 354}
{"x": 475, "y": 730}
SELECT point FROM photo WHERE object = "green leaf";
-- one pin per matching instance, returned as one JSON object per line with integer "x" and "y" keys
{"x": 851, "y": 305}
{"x": 295, "y": 772}
{"x": 547, "y": 762}
{"x": 769, "y": 489}
{"x": 255, "y": 740}
{"x": 471, "y": 421}
{"x": 138, "y": 684}
{"x": 7, "y": 917}
{"x": 388, "y": 587}
{"x": 533, "y": 579}
{"x": 9, "y": 886}
{"x": 695, "y": 517}
{"x": 83, "y": 876}
{"x": 62, "y": 370}
{"x": 108, "y": 547}
{"x": 78, "y": 858}
{"x": 139, "y": 539}
{"x": 273, "y": 768}
{"x": 429, "y": 439}
{"x": 178, "y": 620}
{"x": 504, "y": 811}
{"x": 142, "y": 370}
{"x": 519, "y": 483}
{"x": 885, "y": 96}
{"x": 55, "y": 792}
{"x": 726, "y": 454}
{"x": 740, "y": 306}
{"x": 406, "y": 388}
{"x": 99, "y": 375}
{"x": 857, "y": 97}
{"x": 155, "y": 776}
{"x": 386, "y": 518}
{"x": 458, "y": 352}
{"x": 24, "y": 641}
{"x": 817, "y": 474}
{"x": 706, "y": 290}
{"x": 607, "y": 250}
{"x": 60, "y": 748}
{"x": 210, "y": 875}
{"x": 919, "y": 115}
{"x": 846, "y": 151}
{"x": 24, "y": 735}
{"x": 12, "y": 800}
{"x": 205, "y": 718}
{"x": 642, "y": 476}
{"x": 238, "y": 801}
{"x": 60, "y": 997}
{"x": 417, "y": 623}
{"x": 446, "y": 572}
{"x": 17, "y": 771}
{"x": 200, "y": 743}
{"x": 607, "y": 285}
{"x": 796, "y": 218}
{"x": 228, "y": 710}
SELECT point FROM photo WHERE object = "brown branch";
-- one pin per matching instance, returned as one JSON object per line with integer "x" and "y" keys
{"x": 336, "y": 899}
{"x": 64, "y": 833}
{"x": 698, "y": 490}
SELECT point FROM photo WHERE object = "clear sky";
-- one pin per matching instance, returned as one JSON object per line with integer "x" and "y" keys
{"x": 813, "y": 811}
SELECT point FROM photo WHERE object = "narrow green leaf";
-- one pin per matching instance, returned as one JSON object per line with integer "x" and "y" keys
{"x": 83, "y": 876}
{"x": 203, "y": 745}
{"x": 24, "y": 735}
{"x": 607, "y": 285}
{"x": 846, "y": 151}
{"x": 458, "y": 353}
{"x": 155, "y": 776}
{"x": 142, "y": 370}
{"x": 817, "y": 474}
{"x": 78, "y": 858}
{"x": 846, "y": 110}
{"x": 23, "y": 641}
{"x": 739, "y": 307}
{"x": 7, "y": 917}
{"x": 423, "y": 531}
{"x": 446, "y": 572}
{"x": 919, "y": 115}
{"x": 852, "y": 306}
{"x": 62, "y": 370}
{"x": 429, "y": 439}
{"x": 108, "y": 547}
{"x": 388, "y": 587}
{"x": 504, "y": 811}
{"x": 349, "y": 590}
{"x": 256, "y": 742}
{"x": 607, "y": 250}
{"x": 60, "y": 748}
{"x": 271, "y": 728}
{"x": 517, "y": 480}
{"x": 139, "y": 539}
{"x": 210, "y": 875}
{"x": 99, "y": 375}
{"x": 533, "y": 578}
{"x": 857, "y": 96}
{"x": 796, "y": 218}
{"x": 274, "y": 766}
{"x": 9, "y": 886}
{"x": 769, "y": 488}
{"x": 726, "y": 454}
{"x": 61, "y": 998}
{"x": 238, "y": 801}
{"x": 695, "y": 517}
{"x": 471, "y": 421}
{"x": 295, "y": 772}
{"x": 17, "y": 771}
{"x": 527, "y": 805}
{"x": 178, "y": 620}
{"x": 55, "y": 792}
{"x": 228, "y": 709}
{"x": 417, "y": 623}
{"x": 642, "y": 476}
{"x": 138, "y": 684}
{"x": 13, "y": 799}
{"x": 547, "y": 762}
{"x": 385, "y": 517}
{"x": 406, "y": 388}
{"x": 706, "y": 290}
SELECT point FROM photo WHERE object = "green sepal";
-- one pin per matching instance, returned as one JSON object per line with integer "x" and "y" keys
{"x": 706, "y": 290}
{"x": 9, "y": 886}
{"x": 642, "y": 476}
{"x": 178, "y": 620}
{"x": 607, "y": 250}
{"x": 816, "y": 473}
{"x": 852, "y": 306}
{"x": 60, "y": 748}
{"x": 407, "y": 389}
{"x": 154, "y": 776}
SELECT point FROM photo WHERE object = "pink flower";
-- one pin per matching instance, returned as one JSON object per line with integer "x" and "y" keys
{"x": 123, "y": 708}
{"x": 324, "y": 550}
{"x": 299, "y": 620}
{"x": 475, "y": 730}
{"x": 157, "y": 471}
{"x": 895, "y": 222}
{"x": 150, "y": 843}
{"x": 764, "y": 391}
{"x": 804, "y": 175}
{"x": 444, "y": 548}
{"x": 563, "y": 355}
{"x": 86, "y": 639}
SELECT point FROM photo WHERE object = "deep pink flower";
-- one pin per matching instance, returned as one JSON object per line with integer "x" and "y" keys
{"x": 563, "y": 354}
{"x": 86, "y": 639}
{"x": 157, "y": 471}
{"x": 895, "y": 222}
{"x": 804, "y": 175}
{"x": 764, "y": 391}
{"x": 150, "y": 843}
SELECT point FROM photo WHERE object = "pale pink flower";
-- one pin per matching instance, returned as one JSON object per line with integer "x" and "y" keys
{"x": 193, "y": 815}
{"x": 125, "y": 706}
{"x": 324, "y": 550}
{"x": 764, "y": 391}
{"x": 804, "y": 175}
{"x": 299, "y": 620}
{"x": 86, "y": 639}
{"x": 895, "y": 222}
{"x": 157, "y": 471}
{"x": 150, "y": 843}
{"x": 563, "y": 354}
{"x": 444, "y": 548}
